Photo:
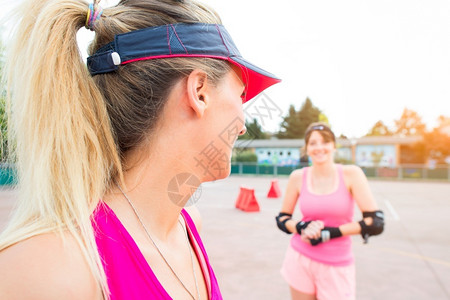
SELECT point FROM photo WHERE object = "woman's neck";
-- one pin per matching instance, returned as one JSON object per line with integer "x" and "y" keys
{"x": 325, "y": 169}
{"x": 154, "y": 189}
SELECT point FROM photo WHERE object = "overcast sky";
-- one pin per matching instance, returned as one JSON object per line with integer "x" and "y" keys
{"x": 359, "y": 61}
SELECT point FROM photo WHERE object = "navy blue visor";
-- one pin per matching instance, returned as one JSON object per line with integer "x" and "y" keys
{"x": 179, "y": 40}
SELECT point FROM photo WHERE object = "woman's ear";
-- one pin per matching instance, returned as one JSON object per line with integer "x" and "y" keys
{"x": 198, "y": 91}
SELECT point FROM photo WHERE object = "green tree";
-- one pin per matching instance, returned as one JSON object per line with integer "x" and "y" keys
{"x": 245, "y": 156}
{"x": 4, "y": 130}
{"x": 308, "y": 114}
{"x": 295, "y": 123}
{"x": 254, "y": 131}
{"x": 3, "y": 115}
{"x": 323, "y": 118}
{"x": 379, "y": 129}
{"x": 409, "y": 124}
{"x": 290, "y": 126}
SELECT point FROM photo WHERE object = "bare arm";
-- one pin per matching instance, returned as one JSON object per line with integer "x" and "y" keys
{"x": 43, "y": 267}
{"x": 289, "y": 202}
{"x": 373, "y": 222}
{"x": 358, "y": 185}
{"x": 290, "y": 198}
{"x": 360, "y": 190}
{"x": 292, "y": 191}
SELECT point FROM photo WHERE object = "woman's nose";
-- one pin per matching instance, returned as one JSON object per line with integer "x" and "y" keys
{"x": 243, "y": 131}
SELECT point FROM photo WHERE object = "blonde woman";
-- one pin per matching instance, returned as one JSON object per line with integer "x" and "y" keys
{"x": 319, "y": 261}
{"x": 101, "y": 150}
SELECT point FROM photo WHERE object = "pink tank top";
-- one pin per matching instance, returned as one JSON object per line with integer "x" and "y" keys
{"x": 129, "y": 275}
{"x": 333, "y": 209}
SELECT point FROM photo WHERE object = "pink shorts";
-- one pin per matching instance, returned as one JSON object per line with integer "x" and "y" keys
{"x": 315, "y": 278}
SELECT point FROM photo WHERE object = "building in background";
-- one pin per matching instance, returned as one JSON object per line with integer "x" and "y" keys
{"x": 370, "y": 151}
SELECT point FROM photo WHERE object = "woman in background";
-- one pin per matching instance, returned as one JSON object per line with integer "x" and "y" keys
{"x": 319, "y": 262}
{"x": 101, "y": 150}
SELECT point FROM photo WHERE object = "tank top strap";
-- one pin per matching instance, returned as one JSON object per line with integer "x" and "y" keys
{"x": 208, "y": 273}
{"x": 304, "y": 179}
{"x": 340, "y": 170}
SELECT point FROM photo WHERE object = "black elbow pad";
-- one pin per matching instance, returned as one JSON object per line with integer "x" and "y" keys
{"x": 376, "y": 227}
{"x": 282, "y": 224}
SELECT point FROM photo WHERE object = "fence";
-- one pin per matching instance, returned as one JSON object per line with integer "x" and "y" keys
{"x": 400, "y": 172}
{"x": 8, "y": 176}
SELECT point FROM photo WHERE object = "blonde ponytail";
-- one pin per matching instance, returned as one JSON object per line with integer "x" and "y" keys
{"x": 65, "y": 148}
{"x": 71, "y": 130}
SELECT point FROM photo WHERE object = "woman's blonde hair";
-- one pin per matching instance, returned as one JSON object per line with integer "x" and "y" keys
{"x": 71, "y": 131}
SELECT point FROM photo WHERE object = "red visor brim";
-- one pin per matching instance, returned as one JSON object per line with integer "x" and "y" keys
{"x": 255, "y": 81}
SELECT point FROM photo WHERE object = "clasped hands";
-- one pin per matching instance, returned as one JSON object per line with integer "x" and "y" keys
{"x": 313, "y": 231}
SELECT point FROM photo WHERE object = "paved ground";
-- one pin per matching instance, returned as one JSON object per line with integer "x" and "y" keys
{"x": 411, "y": 260}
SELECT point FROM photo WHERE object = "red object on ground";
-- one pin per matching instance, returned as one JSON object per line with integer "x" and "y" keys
{"x": 274, "y": 191}
{"x": 246, "y": 200}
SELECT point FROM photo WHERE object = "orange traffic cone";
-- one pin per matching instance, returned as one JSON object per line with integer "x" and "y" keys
{"x": 240, "y": 199}
{"x": 246, "y": 200}
{"x": 274, "y": 191}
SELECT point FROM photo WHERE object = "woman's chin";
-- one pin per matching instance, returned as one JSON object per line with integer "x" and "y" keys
{"x": 219, "y": 174}
{"x": 321, "y": 161}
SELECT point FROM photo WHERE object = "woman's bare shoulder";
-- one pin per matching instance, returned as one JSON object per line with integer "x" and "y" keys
{"x": 295, "y": 181}
{"x": 297, "y": 174}
{"x": 46, "y": 266}
{"x": 353, "y": 176}
{"x": 352, "y": 171}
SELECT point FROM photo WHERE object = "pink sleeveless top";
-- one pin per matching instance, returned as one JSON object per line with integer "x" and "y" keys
{"x": 129, "y": 275}
{"x": 333, "y": 209}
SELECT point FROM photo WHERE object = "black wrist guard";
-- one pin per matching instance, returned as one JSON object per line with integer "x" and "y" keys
{"x": 282, "y": 224}
{"x": 327, "y": 234}
{"x": 375, "y": 228}
{"x": 301, "y": 225}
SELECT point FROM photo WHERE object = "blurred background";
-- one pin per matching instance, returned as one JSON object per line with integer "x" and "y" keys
{"x": 378, "y": 72}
